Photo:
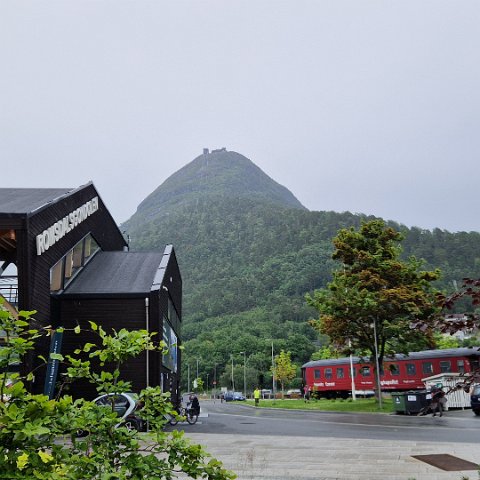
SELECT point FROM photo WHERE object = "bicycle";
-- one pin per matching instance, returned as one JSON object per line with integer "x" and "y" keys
{"x": 189, "y": 413}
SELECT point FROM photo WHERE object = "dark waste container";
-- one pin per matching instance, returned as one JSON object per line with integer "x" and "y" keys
{"x": 399, "y": 400}
{"x": 411, "y": 402}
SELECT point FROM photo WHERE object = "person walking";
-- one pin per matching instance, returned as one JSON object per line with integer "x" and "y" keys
{"x": 438, "y": 401}
{"x": 306, "y": 393}
{"x": 256, "y": 395}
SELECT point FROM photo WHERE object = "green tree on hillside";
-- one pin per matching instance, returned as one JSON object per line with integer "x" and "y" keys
{"x": 375, "y": 292}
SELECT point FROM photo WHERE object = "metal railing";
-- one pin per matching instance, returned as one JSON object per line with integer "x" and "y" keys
{"x": 9, "y": 289}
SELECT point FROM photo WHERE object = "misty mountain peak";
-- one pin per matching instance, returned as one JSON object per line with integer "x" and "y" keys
{"x": 217, "y": 173}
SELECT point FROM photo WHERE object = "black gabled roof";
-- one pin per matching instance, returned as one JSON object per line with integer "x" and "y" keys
{"x": 22, "y": 201}
{"x": 112, "y": 273}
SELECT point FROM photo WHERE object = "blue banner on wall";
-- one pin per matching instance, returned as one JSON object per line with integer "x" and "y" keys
{"x": 52, "y": 366}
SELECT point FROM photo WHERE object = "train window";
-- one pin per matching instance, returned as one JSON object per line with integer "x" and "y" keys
{"x": 411, "y": 369}
{"x": 445, "y": 366}
{"x": 340, "y": 372}
{"x": 350, "y": 370}
{"x": 316, "y": 374}
{"x": 328, "y": 374}
{"x": 460, "y": 366}
{"x": 394, "y": 369}
{"x": 365, "y": 371}
{"x": 427, "y": 368}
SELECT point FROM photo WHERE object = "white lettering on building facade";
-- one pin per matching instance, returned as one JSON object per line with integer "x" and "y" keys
{"x": 59, "y": 229}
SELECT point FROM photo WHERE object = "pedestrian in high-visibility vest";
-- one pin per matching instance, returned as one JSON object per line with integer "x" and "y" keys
{"x": 256, "y": 396}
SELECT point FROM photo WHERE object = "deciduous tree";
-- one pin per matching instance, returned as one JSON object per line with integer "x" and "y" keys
{"x": 284, "y": 370}
{"x": 374, "y": 291}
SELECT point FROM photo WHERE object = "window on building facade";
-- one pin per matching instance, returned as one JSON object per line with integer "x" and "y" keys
{"x": 427, "y": 368}
{"x": 72, "y": 262}
{"x": 394, "y": 369}
{"x": 411, "y": 369}
{"x": 445, "y": 366}
{"x": 365, "y": 371}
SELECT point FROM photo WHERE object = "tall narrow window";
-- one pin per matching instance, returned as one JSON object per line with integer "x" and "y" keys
{"x": 68, "y": 265}
{"x": 56, "y": 276}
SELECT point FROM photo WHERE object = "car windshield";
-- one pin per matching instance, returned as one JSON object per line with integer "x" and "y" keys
{"x": 476, "y": 390}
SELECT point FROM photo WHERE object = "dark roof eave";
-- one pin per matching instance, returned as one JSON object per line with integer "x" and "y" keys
{"x": 90, "y": 296}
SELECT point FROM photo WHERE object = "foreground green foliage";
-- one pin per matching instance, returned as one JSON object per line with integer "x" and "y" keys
{"x": 39, "y": 436}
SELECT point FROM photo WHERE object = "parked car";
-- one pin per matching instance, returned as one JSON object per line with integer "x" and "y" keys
{"x": 233, "y": 396}
{"x": 294, "y": 393}
{"x": 125, "y": 406}
{"x": 228, "y": 396}
{"x": 475, "y": 399}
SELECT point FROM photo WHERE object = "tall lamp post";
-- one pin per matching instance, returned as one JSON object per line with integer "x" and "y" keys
{"x": 273, "y": 374}
{"x": 233, "y": 379}
{"x": 244, "y": 373}
{"x": 352, "y": 373}
{"x": 377, "y": 366}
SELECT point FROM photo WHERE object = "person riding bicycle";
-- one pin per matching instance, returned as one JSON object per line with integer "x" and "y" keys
{"x": 194, "y": 404}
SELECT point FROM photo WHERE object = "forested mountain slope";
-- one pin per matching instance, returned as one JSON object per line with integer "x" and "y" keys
{"x": 249, "y": 252}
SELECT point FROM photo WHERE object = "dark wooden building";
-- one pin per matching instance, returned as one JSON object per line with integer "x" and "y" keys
{"x": 71, "y": 264}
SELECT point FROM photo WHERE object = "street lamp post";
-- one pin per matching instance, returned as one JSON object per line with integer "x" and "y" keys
{"x": 233, "y": 379}
{"x": 377, "y": 366}
{"x": 214, "y": 382}
{"x": 244, "y": 373}
{"x": 352, "y": 374}
{"x": 273, "y": 374}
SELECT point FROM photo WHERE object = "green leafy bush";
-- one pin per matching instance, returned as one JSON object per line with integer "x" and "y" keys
{"x": 39, "y": 436}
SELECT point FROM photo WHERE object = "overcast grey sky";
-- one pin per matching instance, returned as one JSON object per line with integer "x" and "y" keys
{"x": 367, "y": 106}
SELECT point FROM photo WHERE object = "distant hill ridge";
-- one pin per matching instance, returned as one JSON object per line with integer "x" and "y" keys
{"x": 215, "y": 174}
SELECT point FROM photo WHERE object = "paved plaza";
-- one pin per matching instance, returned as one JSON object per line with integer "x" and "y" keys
{"x": 265, "y": 457}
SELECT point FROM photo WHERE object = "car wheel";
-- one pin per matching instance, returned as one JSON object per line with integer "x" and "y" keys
{"x": 132, "y": 424}
{"x": 476, "y": 412}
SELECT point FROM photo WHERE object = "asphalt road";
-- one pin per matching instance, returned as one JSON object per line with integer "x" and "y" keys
{"x": 227, "y": 418}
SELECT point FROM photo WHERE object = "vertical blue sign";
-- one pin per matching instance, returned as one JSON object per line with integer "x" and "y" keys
{"x": 52, "y": 366}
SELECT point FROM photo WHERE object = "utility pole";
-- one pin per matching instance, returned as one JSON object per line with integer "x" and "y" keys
{"x": 377, "y": 364}
{"x": 244, "y": 373}
{"x": 273, "y": 373}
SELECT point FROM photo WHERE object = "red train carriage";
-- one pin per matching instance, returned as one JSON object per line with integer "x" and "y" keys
{"x": 332, "y": 378}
